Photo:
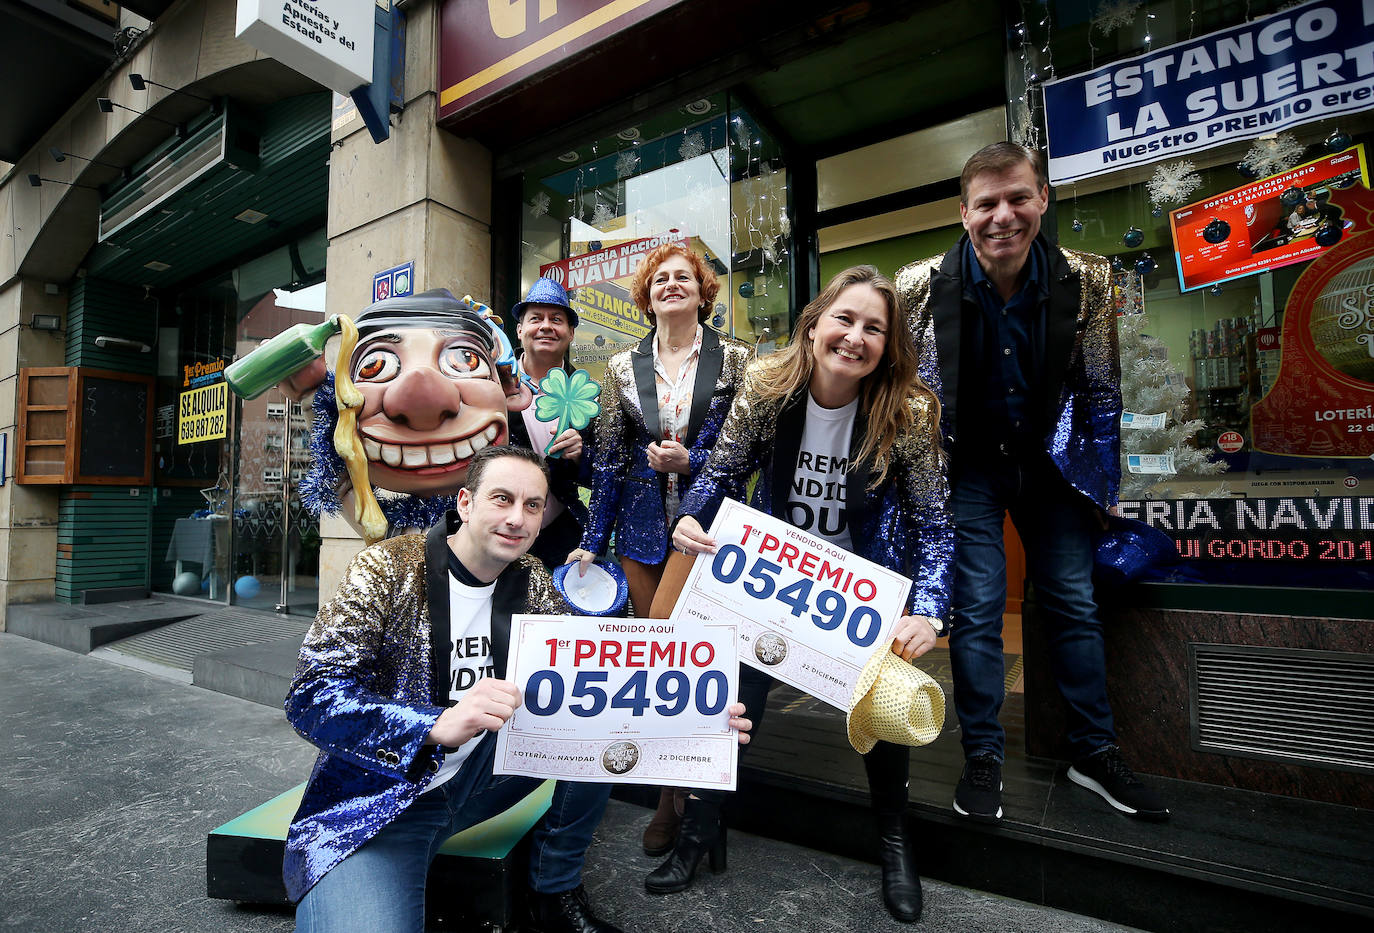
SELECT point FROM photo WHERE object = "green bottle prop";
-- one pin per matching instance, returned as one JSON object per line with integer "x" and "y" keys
{"x": 284, "y": 355}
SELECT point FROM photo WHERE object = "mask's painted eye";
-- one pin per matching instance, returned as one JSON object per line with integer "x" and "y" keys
{"x": 459, "y": 362}
{"x": 378, "y": 365}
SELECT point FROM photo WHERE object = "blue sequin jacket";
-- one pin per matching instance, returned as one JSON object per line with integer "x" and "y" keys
{"x": 904, "y": 524}
{"x": 627, "y": 493}
{"x": 370, "y": 684}
{"x": 1081, "y": 401}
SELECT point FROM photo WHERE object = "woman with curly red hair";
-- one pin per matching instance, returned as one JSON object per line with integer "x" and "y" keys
{"x": 662, "y": 405}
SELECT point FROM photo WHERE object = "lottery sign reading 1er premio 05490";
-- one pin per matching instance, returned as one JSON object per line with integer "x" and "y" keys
{"x": 626, "y": 701}
{"x": 809, "y": 613}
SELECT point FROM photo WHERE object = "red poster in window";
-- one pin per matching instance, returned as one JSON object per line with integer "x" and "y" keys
{"x": 1276, "y": 221}
{"x": 1322, "y": 403}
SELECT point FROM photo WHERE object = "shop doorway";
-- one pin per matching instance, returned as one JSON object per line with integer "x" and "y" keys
{"x": 228, "y": 523}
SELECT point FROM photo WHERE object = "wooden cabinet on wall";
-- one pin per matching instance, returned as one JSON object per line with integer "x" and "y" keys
{"x": 81, "y": 425}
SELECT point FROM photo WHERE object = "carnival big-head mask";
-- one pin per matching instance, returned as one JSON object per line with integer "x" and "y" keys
{"x": 428, "y": 382}
{"x": 437, "y": 378}
{"x": 420, "y": 384}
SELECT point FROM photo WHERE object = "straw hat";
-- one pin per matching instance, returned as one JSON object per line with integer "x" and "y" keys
{"x": 894, "y": 702}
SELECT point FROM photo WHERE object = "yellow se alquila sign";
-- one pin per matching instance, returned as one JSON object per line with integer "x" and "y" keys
{"x": 201, "y": 416}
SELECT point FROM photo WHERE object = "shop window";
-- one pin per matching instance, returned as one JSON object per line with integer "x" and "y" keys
{"x": 1246, "y": 319}
{"x": 704, "y": 174}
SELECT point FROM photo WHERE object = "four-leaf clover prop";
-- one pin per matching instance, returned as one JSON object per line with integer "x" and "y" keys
{"x": 569, "y": 400}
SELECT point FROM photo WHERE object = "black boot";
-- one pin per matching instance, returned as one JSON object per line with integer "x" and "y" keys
{"x": 568, "y": 912}
{"x": 901, "y": 883}
{"x": 701, "y": 833}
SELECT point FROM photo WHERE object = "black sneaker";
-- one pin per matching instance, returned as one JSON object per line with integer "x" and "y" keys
{"x": 1106, "y": 774}
{"x": 978, "y": 795}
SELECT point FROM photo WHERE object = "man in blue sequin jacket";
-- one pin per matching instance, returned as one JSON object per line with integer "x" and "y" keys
{"x": 401, "y": 684}
{"x": 1019, "y": 336}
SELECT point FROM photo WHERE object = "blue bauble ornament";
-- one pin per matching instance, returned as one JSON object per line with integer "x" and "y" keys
{"x": 1246, "y": 171}
{"x": 186, "y": 583}
{"x": 1145, "y": 265}
{"x": 1117, "y": 264}
{"x": 1133, "y": 237}
{"x": 1215, "y": 289}
{"x": 247, "y": 587}
{"x": 1217, "y": 231}
{"x": 746, "y": 289}
{"x": 1292, "y": 197}
{"x": 1338, "y": 141}
{"x": 1077, "y": 225}
{"x": 1329, "y": 233}
{"x": 1156, "y": 211}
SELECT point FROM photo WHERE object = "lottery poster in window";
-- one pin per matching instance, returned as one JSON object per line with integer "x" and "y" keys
{"x": 622, "y": 701}
{"x": 1290, "y": 217}
{"x": 809, "y": 613}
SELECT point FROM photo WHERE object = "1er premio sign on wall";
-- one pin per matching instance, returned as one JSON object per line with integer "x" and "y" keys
{"x": 329, "y": 41}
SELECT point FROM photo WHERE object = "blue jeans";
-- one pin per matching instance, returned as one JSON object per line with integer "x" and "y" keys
{"x": 1059, "y": 528}
{"x": 380, "y": 888}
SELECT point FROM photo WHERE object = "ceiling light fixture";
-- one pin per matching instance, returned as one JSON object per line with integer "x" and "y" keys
{"x": 141, "y": 83}
{"x": 58, "y": 155}
{"x": 107, "y": 106}
{"x": 37, "y": 181}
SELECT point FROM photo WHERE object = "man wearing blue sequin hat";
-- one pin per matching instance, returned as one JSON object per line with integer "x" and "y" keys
{"x": 545, "y": 325}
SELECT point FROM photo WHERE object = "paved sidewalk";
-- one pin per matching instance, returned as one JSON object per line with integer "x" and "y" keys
{"x": 110, "y": 779}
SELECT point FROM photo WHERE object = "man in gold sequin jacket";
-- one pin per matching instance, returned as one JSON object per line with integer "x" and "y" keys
{"x": 1019, "y": 336}
{"x": 375, "y": 690}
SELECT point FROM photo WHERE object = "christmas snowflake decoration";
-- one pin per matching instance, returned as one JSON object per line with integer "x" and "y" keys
{"x": 1274, "y": 155}
{"x": 1173, "y": 183}
{"x": 1112, "y": 15}
{"x": 601, "y": 216}
{"x": 741, "y": 132}
{"x": 626, "y": 163}
{"x": 699, "y": 199}
{"x": 692, "y": 147}
{"x": 539, "y": 204}
{"x": 1023, "y": 129}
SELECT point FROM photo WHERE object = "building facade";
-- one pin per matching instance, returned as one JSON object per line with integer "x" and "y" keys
{"x": 784, "y": 141}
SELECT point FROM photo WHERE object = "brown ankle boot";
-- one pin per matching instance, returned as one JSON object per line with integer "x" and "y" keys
{"x": 661, "y": 833}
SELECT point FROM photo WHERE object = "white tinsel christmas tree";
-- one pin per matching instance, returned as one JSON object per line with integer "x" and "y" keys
{"x": 1151, "y": 385}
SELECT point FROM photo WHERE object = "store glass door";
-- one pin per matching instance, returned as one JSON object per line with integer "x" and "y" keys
{"x": 229, "y": 524}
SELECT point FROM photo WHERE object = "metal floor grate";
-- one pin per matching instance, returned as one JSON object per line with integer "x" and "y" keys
{"x": 178, "y": 644}
{"x": 1313, "y": 708}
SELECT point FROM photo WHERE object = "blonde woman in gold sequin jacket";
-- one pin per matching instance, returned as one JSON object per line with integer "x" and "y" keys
{"x": 850, "y": 358}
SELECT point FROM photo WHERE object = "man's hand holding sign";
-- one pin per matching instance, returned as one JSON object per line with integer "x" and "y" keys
{"x": 809, "y": 614}
{"x": 639, "y": 701}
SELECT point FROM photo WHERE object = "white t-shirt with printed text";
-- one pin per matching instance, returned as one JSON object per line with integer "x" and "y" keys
{"x": 816, "y": 500}
{"x": 469, "y": 625}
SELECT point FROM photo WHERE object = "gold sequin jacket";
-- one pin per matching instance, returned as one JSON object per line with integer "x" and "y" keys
{"x": 1081, "y": 404}
{"x": 904, "y": 524}
{"x": 372, "y": 680}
